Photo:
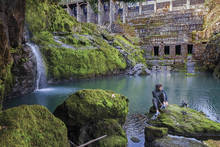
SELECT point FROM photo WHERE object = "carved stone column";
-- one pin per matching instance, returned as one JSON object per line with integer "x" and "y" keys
{"x": 89, "y": 13}
{"x": 100, "y": 12}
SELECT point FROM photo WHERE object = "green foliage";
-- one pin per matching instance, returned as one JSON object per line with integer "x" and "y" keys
{"x": 31, "y": 126}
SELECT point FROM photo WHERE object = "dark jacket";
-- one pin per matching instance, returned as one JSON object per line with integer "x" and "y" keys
{"x": 160, "y": 95}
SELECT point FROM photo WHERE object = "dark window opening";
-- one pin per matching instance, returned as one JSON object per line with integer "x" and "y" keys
{"x": 156, "y": 51}
{"x": 178, "y": 49}
{"x": 190, "y": 48}
{"x": 167, "y": 50}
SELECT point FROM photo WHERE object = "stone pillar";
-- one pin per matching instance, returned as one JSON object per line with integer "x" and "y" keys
{"x": 155, "y": 6}
{"x": 89, "y": 13}
{"x": 100, "y": 12}
{"x": 78, "y": 12}
{"x": 172, "y": 51}
{"x": 188, "y": 4}
{"x": 68, "y": 10}
{"x": 125, "y": 11}
{"x": 111, "y": 12}
{"x": 140, "y": 8}
{"x": 171, "y": 5}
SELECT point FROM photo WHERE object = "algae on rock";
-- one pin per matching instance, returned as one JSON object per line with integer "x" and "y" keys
{"x": 31, "y": 126}
{"x": 187, "y": 122}
{"x": 89, "y": 114}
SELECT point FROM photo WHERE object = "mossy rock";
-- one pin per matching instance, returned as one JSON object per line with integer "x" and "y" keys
{"x": 187, "y": 122}
{"x": 212, "y": 143}
{"x": 91, "y": 50}
{"x": 31, "y": 126}
{"x": 152, "y": 133}
{"x": 175, "y": 142}
{"x": 116, "y": 136}
{"x": 89, "y": 114}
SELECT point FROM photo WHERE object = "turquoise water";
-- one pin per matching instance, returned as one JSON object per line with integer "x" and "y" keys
{"x": 202, "y": 92}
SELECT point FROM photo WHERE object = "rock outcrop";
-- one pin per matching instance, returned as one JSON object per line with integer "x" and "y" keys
{"x": 89, "y": 114}
{"x": 11, "y": 32}
{"x": 211, "y": 36}
{"x": 74, "y": 50}
{"x": 187, "y": 122}
{"x": 31, "y": 126}
{"x": 139, "y": 69}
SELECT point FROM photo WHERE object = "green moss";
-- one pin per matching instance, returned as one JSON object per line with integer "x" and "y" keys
{"x": 190, "y": 74}
{"x": 115, "y": 134}
{"x": 6, "y": 81}
{"x": 88, "y": 105}
{"x": 95, "y": 113}
{"x": 152, "y": 133}
{"x": 187, "y": 122}
{"x": 92, "y": 51}
{"x": 31, "y": 126}
{"x": 135, "y": 54}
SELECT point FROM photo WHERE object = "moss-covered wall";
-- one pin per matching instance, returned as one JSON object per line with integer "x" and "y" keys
{"x": 11, "y": 30}
{"x": 72, "y": 49}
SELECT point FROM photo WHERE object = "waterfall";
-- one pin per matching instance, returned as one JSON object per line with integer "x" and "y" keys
{"x": 41, "y": 80}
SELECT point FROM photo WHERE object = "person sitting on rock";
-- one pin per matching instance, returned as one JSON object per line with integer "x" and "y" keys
{"x": 160, "y": 99}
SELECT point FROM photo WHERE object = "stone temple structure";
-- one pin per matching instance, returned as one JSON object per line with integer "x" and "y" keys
{"x": 165, "y": 26}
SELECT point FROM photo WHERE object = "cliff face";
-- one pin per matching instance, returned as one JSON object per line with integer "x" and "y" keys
{"x": 14, "y": 55}
{"x": 11, "y": 32}
{"x": 211, "y": 35}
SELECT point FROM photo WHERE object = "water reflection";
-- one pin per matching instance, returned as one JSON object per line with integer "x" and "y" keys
{"x": 202, "y": 92}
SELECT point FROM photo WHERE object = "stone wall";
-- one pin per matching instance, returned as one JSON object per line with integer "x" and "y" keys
{"x": 171, "y": 29}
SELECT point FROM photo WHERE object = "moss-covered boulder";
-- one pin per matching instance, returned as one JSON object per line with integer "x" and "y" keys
{"x": 187, "y": 122}
{"x": 89, "y": 114}
{"x": 152, "y": 133}
{"x": 31, "y": 126}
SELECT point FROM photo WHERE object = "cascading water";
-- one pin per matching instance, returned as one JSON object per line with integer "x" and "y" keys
{"x": 41, "y": 80}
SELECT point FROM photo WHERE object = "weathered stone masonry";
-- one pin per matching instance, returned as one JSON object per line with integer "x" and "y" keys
{"x": 169, "y": 34}
{"x": 164, "y": 26}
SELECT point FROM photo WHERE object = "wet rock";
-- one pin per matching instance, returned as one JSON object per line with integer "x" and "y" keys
{"x": 24, "y": 72}
{"x": 31, "y": 126}
{"x": 191, "y": 124}
{"x": 11, "y": 34}
{"x": 135, "y": 139}
{"x": 212, "y": 143}
{"x": 152, "y": 133}
{"x": 139, "y": 69}
{"x": 176, "y": 142}
{"x": 89, "y": 114}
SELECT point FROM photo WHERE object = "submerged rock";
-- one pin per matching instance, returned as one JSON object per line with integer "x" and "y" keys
{"x": 31, "y": 126}
{"x": 187, "y": 122}
{"x": 135, "y": 139}
{"x": 89, "y": 114}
